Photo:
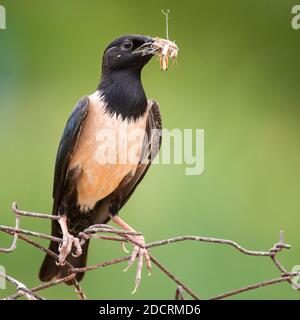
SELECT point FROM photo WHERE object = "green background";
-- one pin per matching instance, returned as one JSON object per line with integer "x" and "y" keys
{"x": 237, "y": 78}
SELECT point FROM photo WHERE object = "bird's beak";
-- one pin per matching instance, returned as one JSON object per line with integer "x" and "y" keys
{"x": 146, "y": 48}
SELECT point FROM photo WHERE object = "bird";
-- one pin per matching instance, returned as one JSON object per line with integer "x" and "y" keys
{"x": 92, "y": 182}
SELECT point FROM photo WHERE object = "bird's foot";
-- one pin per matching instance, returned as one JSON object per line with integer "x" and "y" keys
{"x": 123, "y": 244}
{"x": 141, "y": 252}
{"x": 65, "y": 248}
{"x": 139, "y": 249}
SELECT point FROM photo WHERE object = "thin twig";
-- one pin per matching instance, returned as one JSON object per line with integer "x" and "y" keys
{"x": 213, "y": 240}
{"x": 174, "y": 278}
{"x": 79, "y": 290}
{"x": 32, "y": 214}
{"x": 101, "y": 265}
{"x": 250, "y": 287}
{"x": 11, "y": 230}
{"x": 21, "y": 287}
{"x": 43, "y": 286}
{"x": 13, "y": 246}
{"x": 166, "y": 14}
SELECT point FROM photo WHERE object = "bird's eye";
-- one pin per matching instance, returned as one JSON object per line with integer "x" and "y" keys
{"x": 127, "y": 44}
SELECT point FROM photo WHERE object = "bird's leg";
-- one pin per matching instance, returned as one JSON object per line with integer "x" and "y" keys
{"x": 69, "y": 240}
{"x": 138, "y": 250}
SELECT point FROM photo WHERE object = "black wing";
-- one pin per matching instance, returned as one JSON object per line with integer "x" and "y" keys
{"x": 66, "y": 147}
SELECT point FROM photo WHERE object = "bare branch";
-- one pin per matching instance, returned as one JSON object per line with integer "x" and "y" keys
{"x": 117, "y": 235}
{"x": 251, "y": 287}
{"x": 21, "y": 287}
{"x": 277, "y": 247}
{"x": 174, "y": 278}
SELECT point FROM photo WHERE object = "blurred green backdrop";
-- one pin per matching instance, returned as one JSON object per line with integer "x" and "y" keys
{"x": 237, "y": 77}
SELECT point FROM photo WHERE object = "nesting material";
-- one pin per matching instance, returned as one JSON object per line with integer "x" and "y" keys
{"x": 165, "y": 49}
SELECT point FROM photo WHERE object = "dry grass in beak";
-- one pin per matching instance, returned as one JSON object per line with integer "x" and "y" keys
{"x": 165, "y": 49}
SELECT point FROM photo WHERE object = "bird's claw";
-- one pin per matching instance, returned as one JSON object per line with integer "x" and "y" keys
{"x": 65, "y": 248}
{"x": 142, "y": 253}
{"x": 123, "y": 244}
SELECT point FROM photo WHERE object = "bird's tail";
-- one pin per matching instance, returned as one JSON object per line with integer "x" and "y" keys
{"x": 49, "y": 269}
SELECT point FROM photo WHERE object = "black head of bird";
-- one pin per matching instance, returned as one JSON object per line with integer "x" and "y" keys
{"x": 122, "y": 54}
{"x": 120, "y": 84}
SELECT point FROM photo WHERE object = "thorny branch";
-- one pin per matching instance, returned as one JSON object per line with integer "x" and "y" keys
{"x": 97, "y": 231}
